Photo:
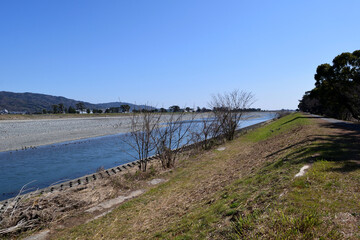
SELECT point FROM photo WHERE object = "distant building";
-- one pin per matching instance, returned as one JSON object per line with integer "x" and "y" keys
{"x": 84, "y": 112}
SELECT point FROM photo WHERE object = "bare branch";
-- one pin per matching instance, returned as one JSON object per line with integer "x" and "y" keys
{"x": 228, "y": 109}
{"x": 140, "y": 138}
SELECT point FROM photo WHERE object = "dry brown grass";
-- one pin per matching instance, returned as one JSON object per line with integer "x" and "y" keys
{"x": 62, "y": 209}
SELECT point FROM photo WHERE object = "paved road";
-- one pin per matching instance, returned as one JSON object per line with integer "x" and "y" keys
{"x": 340, "y": 123}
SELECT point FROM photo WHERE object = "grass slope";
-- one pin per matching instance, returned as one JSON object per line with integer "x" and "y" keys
{"x": 249, "y": 191}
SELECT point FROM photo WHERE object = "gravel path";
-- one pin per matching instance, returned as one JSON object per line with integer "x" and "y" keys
{"x": 18, "y": 134}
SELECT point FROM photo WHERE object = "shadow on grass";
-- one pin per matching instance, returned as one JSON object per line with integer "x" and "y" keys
{"x": 294, "y": 119}
{"x": 342, "y": 148}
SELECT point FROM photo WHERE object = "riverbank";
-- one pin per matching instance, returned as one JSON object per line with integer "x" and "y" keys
{"x": 252, "y": 187}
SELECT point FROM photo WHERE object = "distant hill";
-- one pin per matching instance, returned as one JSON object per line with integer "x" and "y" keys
{"x": 35, "y": 102}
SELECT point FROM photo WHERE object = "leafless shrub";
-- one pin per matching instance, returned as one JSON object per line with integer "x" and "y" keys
{"x": 9, "y": 221}
{"x": 228, "y": 109}
{"x": 163, "y": 134}
{"x": 206, "y": 132}
{"x": 139, "y": 175}
{"x": 172, "y": 137}
{"x": 36, "y": 210}
{"x": 141, "y": 136}
{"x": 100, "y": 169}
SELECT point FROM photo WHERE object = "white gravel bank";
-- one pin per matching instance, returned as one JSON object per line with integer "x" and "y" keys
{"x": 18, "y": 134}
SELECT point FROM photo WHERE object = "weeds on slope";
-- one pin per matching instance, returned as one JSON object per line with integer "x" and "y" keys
{"x": 272, "y": 204}
{"x": 323, "y": 204}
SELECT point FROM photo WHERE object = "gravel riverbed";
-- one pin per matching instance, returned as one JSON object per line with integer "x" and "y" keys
{"x": 18, "y": 134}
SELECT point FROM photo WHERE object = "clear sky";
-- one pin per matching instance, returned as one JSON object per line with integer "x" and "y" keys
{"x": 172, "y": 52}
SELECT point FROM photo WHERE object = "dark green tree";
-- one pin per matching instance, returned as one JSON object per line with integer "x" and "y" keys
{"x": 71, "y": 110}
{"x": 174, "y": 108}
{"x": 310, "y": 103}
{"x": 55, "y": 108}
{"x": 337, "y": 88}
{"x": 61, "y": 108}
{"x": 80, "y": 106}
{"x": 125, "y": 108}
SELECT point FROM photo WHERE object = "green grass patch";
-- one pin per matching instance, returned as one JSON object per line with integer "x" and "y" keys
{"x": 279, "y": 126}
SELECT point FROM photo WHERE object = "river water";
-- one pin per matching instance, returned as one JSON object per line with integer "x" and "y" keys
{"x": 50, "y": 164}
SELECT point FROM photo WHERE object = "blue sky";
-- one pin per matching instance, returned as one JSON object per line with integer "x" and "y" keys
{"x": 172, "y": 52}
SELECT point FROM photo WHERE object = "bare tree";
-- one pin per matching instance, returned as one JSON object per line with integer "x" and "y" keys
{"x": 172, "y": 137}
{"x": 206, "y": 131}
{"x": 141, "y": 136}
{"x": 228, "y": 109}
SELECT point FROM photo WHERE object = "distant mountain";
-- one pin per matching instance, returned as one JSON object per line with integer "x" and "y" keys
{"x": 35, "y": 102}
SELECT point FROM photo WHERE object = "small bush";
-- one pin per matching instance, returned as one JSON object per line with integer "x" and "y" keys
{"x": 100, "y": 169}
{"x": 140, "y": 175}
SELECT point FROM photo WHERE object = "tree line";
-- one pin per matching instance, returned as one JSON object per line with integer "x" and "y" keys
{"x": 81, "y": 108}
{"x": 337, "y": 89}
{"x": 125, "y": 108}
